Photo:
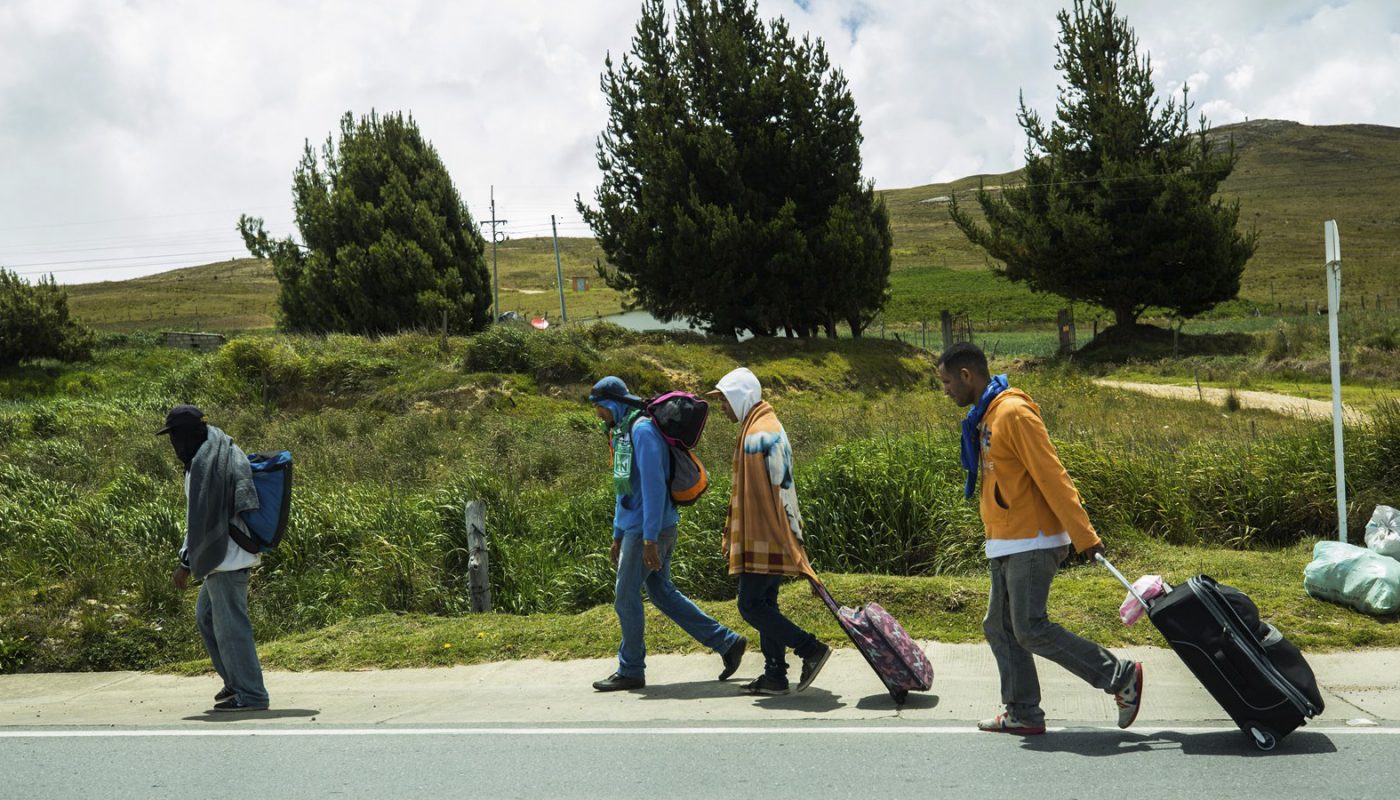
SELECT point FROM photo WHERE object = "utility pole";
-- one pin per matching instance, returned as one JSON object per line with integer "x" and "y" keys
{"x": 558, "y": 270}
{"x": 495, "y": 276}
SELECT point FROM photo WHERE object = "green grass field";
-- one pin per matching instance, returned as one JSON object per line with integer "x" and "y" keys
{"x": 1289, "y": 180}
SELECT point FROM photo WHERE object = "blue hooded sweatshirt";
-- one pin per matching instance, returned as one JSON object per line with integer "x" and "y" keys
{"x": 647, "y": 509}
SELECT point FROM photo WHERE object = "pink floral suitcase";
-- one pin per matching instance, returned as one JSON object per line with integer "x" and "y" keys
{"x": 895, "y": 657}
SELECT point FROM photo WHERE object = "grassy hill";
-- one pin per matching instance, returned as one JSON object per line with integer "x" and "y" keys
{"x": 1289, "y": 180}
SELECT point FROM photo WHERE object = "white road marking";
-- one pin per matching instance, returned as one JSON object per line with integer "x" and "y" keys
{"x": 652, "y": 731}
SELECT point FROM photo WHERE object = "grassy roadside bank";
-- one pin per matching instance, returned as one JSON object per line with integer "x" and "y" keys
{"x": 942, "y": 608}
{"x": 391, "y": 436}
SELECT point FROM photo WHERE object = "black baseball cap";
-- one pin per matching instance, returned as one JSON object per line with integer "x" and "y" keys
{"x": 182, "y": 416}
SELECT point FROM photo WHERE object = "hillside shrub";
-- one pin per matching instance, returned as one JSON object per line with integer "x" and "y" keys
{"x": 550, "y": 356}
{"x": 34, "y": 323}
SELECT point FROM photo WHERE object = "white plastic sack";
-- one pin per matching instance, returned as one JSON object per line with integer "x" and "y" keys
{"x": 1355, "y": 577}
{"x": 1383, "y": 532}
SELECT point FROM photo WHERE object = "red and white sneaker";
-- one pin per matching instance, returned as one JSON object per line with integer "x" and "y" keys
{"x": 1005, "y": 723}
{"x": 1130, "y": 699}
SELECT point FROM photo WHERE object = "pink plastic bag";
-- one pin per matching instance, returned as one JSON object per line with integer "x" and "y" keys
{"x": 1149, "y": 586}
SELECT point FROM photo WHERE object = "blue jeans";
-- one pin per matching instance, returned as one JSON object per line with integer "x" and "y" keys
{"x": 221, "y": 612}
{"x": 758, "y": 604}
{"x": 1017, "y": 625}
{"x": 632, "y": 574}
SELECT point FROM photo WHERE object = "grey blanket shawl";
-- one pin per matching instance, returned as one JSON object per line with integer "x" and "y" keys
{"x": 221, "y": 486}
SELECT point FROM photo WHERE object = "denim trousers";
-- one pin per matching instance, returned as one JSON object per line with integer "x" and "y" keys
{"x": 1017, "y": 628}
{"x": 758, "y": 604}
{"x": 221, "y": 613}
{"x": 632, "y": 575}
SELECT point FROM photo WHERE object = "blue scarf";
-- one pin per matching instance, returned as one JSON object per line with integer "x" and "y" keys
{"x": 971, "y": 442}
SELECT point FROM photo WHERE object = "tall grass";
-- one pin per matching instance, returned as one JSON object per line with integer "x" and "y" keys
{"x": 391, "y": 437}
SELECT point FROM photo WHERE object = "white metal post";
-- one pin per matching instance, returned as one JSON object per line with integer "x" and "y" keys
{"x": 1334, "y": 299}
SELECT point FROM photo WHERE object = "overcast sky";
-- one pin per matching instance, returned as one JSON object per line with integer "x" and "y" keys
{"x": 134, "y": 133}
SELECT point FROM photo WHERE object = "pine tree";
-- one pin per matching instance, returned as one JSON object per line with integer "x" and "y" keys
{"x": 387, "y": 243}
{"x": 731, "y": 192}
{"x": 1116, "y": 208}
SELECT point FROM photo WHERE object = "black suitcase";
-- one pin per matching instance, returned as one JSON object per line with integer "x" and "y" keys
{"x": 1258, "y": 676}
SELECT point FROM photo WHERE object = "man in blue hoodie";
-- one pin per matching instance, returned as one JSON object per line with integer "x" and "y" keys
{"x": 644, "y": 538}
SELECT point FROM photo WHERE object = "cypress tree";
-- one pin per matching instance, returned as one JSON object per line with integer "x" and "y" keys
{"x": 387, "y": 243}
{"x": 731, "y": 193}
{"x": 1117, "y": 205}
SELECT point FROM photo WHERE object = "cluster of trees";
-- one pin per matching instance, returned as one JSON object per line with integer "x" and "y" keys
{"x": 731, "y": 192}
{"x": 34, "y": 322}
{"x": 732, "y": 196}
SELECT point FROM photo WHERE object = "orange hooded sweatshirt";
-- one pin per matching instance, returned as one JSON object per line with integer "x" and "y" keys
{"x": 1025, "y": 489}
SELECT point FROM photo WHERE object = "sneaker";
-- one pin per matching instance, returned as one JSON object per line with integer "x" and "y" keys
{"x": 733, "y": 656}
{"x": 617, "y": 682}
{"x": 232, "y": 704}
{"x": 812, "y": 665}
{"x": 1130, "y": 699}
{"x": 1005, "y": 723}
{"x": 224, "y": 694}
{"x": 766, "y": 685}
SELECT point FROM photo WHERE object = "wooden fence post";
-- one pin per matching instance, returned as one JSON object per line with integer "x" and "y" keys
{"x": 947, "y": 319}
{"x": 478, "y": 557}
{"x": 1066, "y": 336}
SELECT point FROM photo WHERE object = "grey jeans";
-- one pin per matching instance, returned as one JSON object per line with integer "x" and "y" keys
{"x": 1017, "y": 626}
{"x": 221, "y": 612}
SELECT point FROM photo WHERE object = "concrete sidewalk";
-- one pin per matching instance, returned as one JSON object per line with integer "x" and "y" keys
{"x": 681, "y": 689}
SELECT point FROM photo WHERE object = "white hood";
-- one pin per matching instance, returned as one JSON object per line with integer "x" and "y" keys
{"x": 742, "y": 390}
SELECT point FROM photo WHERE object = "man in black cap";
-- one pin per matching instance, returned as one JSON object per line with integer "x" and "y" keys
{"x": 218, "y": 488}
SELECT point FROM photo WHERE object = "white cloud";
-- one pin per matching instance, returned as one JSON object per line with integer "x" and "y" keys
{"x": 172, "y": 117}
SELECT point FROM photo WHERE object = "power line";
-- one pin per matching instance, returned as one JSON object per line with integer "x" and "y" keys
{"x": 118, "y": 239}
{"x": 120, "y": 258}
{"x": 188, "y": 241}
{"x": 119, "y": 266}
{"x": 131, "y": 219}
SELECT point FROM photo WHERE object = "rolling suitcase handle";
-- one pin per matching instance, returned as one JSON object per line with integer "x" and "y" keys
{"x": 820, "y": 589}
{"x": 1099, "y": 557}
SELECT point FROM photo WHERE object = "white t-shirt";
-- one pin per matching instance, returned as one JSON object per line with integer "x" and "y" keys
{"x": 996, "y": 548}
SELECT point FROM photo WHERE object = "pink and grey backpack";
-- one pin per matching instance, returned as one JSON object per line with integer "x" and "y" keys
{"x": 680, "y": 418}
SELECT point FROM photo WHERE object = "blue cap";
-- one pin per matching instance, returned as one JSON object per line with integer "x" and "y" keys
{"x": 611, "y": 388}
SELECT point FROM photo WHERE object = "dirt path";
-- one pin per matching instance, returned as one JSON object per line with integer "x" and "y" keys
{"x": 1287, "y": 405}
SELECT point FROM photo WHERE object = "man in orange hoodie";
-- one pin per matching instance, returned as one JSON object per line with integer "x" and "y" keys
{"x": 1033, "y": 516}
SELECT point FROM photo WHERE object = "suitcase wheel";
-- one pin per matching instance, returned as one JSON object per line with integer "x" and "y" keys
{"x": 900, "y": 695}
{"x": 1263, "y": 738}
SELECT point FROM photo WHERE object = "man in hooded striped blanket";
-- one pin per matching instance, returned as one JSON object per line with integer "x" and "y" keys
{"x": 763, "y": 533}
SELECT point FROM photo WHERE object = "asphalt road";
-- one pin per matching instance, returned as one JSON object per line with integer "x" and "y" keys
{"x": 883, "y": 760}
